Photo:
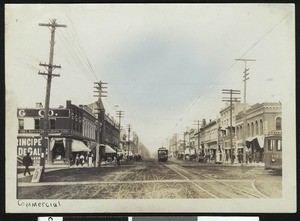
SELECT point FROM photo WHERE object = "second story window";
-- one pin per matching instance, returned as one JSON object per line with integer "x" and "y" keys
{"x": 37, "y": 124}
{"x": 52, "y": 124}
{"x": 278, "y": 123}
{"x": 21, "y": 124}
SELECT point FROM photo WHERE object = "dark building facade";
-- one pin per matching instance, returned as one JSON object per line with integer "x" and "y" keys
{"x": 72, "y": 129}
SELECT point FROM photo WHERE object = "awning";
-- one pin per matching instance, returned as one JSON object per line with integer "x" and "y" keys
{"x": 79, "y": 146}
{"x": 213, "y": 147}
{"x": 108, "y": 149}
{"x": 260, "y": 140}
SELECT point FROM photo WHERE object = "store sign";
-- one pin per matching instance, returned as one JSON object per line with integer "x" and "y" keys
{"x": 41, "y": 113}
{"x": 30, "y": 145}
{"x": 40, "y": 131}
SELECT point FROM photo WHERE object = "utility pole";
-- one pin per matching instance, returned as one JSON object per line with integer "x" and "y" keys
{"x": 198, "y": 132}
{"x": 245, "y": 78}
{"x": 129, "y": 129}
{"x": 184, "y": 145}
{"x": 120, "y": 114}
{"x": 49, "y": 67}
{"x": 231, "y": 99}
{"x": 100, "y": 111}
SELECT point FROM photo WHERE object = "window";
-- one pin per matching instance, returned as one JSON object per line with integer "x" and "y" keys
{"x": 256, "y": 128}
{"x": 37, "y": 124}
{"x": 261, "y": 127}
{"x": 274, "y": 145}
{"x": 52, "y": 123}
{"x": 270, "y": 145}
{"x": 279, "y": 145}
{"x": 278, "y": 123}
{"x": 248, "y": 130}
{"x": 21, "y": 124}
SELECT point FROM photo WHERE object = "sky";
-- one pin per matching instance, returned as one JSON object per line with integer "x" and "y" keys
{"x": 165, "y": 64}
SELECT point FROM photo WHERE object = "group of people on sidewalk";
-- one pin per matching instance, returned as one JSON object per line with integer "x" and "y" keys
{"x": 81, "y": 159}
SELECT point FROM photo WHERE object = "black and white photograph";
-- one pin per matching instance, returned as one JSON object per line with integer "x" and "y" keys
{"x": 143, "y": 108}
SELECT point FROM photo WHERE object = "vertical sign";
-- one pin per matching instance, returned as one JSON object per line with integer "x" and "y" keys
{"x": 30, "y": 145}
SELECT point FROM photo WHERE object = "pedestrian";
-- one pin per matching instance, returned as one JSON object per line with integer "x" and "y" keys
{"x": 27, "y": 161}
{"x": 93, "y": 159}
{"x": 118, "y": 160}
{"x": 240, "y": 157}
{"x": 77, "y": 159}
{"x": 71, "y": 160}
{"x": 81, "y": 159}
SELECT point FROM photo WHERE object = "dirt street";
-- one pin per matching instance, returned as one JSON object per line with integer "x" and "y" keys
{"x": 150, "y": 179}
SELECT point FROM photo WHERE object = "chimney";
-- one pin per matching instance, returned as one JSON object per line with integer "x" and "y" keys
{"x": 39, "y": 105}
{"x": 68, "y": 104}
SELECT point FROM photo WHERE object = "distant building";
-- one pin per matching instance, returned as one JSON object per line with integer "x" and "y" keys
{"x": 224, "y": 136}
{"x": 209, "y": 137}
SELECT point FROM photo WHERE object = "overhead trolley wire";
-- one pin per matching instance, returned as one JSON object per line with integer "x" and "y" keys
{"x": 231, "y": 65}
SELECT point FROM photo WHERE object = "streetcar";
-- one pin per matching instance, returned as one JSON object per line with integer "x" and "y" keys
{"x": 162, "y": 154}
{"x": 273, "y": 151}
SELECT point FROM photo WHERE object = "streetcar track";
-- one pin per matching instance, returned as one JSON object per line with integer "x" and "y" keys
{"x": 254, "y": 187}
{"x": 211, "y": 194}
{"x": 245, "y": 192}
{"x": 226, "y": 184}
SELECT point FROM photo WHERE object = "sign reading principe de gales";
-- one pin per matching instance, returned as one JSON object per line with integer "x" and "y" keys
{"x": 30, "y": 145}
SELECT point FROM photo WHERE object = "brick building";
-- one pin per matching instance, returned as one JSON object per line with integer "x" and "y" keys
{"x": 72, "y": 129}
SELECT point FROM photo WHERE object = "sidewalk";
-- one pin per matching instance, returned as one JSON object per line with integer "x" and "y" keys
{"x": 49, "y": 168}
{"x": 224, "y": 163}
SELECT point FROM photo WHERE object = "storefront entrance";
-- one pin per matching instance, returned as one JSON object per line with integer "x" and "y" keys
{"x": 58, "y": 152}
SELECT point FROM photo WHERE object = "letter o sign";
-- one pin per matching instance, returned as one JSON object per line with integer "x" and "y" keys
{"x": 41, "y": 113}
{"x": 50, "y": 113}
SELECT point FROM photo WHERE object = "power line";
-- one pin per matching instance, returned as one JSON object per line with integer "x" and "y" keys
{"x": 231, "y": 65}
{"x": 81, "y": 47}
{"x": 76, "y": 57}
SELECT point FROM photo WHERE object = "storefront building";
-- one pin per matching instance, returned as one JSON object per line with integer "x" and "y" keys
{"x": 209, "y": 138}
{"x": 261, "y": 119}
{"x": 72, "y": 130}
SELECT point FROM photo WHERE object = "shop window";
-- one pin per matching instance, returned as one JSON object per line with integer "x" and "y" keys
{"x": 37, "y": 124}
{"x": 21, "y": 124}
